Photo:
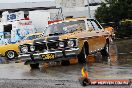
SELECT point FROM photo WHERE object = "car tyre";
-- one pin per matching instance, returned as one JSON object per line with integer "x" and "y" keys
{"x": 83, "y": 55}
{"x": 105, "y": 53}
{"x": 11, "y": 54}
{"x": 65, "y": 62}
{"x": 34, "y": 66}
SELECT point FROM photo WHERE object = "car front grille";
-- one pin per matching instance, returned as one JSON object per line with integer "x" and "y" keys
{"x": 50, "y": 45}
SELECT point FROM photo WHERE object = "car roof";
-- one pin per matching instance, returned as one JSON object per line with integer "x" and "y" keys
{"x": 76, "y": 19}
{"x": 68, "y": 20}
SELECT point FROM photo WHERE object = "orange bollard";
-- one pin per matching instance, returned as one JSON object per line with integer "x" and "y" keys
{"x": 84, "y": 73}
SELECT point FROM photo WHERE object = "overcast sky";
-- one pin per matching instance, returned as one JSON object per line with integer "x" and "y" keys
{"x": 16, "y": 1}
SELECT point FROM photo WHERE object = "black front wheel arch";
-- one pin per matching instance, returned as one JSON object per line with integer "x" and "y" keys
{"x": 83, "y": 54}
{"x": 105, "y": 52}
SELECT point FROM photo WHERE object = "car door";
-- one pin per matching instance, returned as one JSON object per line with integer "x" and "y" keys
{"x": 97, "y": 41}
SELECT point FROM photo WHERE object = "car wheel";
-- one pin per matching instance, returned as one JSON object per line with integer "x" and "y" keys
{"x": 65, "y": 62}
{"x": 34, "y": 66}
{"x": 11, "y": 54}
{"x": 107, "y": 48}
{"x": 105, "y": 53}
{"x": 83, "y": 55}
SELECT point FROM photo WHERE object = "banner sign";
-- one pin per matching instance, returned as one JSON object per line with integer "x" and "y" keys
{"x": 10, "y": 17}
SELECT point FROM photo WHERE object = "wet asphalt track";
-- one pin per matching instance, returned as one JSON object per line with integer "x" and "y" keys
{"x": 20, "y": 76}
{"x": 17, "y": 75}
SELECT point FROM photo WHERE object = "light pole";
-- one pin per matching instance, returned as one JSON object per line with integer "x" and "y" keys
{"x": 89, "y": 15}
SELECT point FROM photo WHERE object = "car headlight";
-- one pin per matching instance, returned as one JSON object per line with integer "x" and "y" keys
{"x": 24, "y": 49}
{"x": 61, "y": 44}
{"x": 70, "y": 43}
{"x": 32, "y": 48}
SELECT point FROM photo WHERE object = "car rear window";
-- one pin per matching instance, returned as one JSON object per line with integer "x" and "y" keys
{"x": 93, "y": 24}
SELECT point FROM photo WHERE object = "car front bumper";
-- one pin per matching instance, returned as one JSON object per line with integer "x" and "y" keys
{"x": 59, "y": 55}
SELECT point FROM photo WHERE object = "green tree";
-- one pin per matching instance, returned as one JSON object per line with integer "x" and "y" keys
{"x": 114, "y": 10}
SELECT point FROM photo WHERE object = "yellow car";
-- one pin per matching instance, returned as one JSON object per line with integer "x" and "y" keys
{"x": 11, "y": 50}
{"x": 65, "y": 40}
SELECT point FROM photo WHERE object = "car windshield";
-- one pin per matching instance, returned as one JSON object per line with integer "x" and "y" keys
{"x": 65, "y": 27}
